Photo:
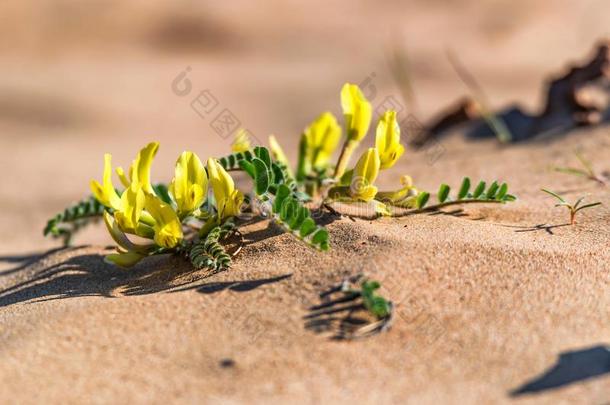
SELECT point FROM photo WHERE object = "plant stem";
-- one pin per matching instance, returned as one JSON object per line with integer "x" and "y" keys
{"x": 302, "y": 164}
{"x": 212, "y": 222}
{"x": 421, "y": 210}
{"x": 346, "y": 152}
{"x": 446, "y": 204}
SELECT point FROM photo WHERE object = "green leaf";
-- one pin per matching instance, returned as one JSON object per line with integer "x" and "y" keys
{"x": 263, "y": 154}
{"x": 557, "y": 196}
{"x": 261, "y": 176}
{"x": 571, "y": 170}
{"x": 502, "y": 192}
{"x": 479, "y": 190}
{"x": 248, "y": 168}
{"x": 443, "y": 192}
{"x": 301, "y": 214}
{"x": 491, "y": 191}
{"x": 307, "y": 227}
{"x": 73, "y": 218}
{"x": 370, "y": 285}
{"x": 320, "y": 238}
{"x": 422, "y": 199}
{"x": 585, "y": 163}
{"x": 278, "y": 174}
{"x": 588, "y": 206}
{"x": 288, "y": 210}
{"x": 464, "y": 188}
{"x": 283, "y": 192}
{"x": 377, "y": 305}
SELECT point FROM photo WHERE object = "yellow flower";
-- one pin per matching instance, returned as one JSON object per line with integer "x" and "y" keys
{"x": 105, "y": 193}
{"x": 129, "y": 253}
{"x": 241, "y": 142}
{"x": 387, "y": 140}
{"x": 118, "y": 235}
{"x": 364, "y": 176}
{"x": 139, "y": 172}
{"x": 322, "y": 138}
{"x": 190, "y": 184}
{"x": 228, "y": 198}
{"x": 167, "y": 227}
{"x": 278, "y": 153}
{"x": 132, "y": 204}
{"x": 357, "y": 111}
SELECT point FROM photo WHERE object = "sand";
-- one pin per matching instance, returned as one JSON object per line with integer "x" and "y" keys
{"x": 486, "y": 298}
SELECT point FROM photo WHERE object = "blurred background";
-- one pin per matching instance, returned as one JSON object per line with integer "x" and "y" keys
{"x": 80, "y": 78}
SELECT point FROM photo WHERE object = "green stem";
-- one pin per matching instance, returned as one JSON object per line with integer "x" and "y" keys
{"x": 210, "y": 224}
{"x": 302, "y": 164}
{"x": 445, "y": 204}
{"x": 346, "y": 153}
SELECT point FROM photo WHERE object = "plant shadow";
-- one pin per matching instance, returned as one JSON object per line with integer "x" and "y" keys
{"x": 540, "y": 227}
{"x": 51, "y": 276}
{"x": 571, "y": 367}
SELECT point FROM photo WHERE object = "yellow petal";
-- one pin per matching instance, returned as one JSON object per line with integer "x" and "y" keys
{"x": 121, "y": 239}
{"x": 368, "y": 165}
{"x": 105, "y": 193}
{"x": 132, "y": 204}
{"x": 168, "y": 229}
{"x": 124, "y": 180}
{"x": 222, "y": 184}
{"x": 128, "y": 259}
{"x": 277, "y": 152}
{"x": 357, "y": 111}
{"x": 367, "y": 193}
{"x": 241, "y": 142}
{"x": 233, "y": 205}
{"x": 387, "y": 140}
{"x": 365, "y": 174}
{"x": 140, "y": 169}
{"x": 228, "y": 199}
{"x": 322, "y": 138}
{"x": 190, "y": 184}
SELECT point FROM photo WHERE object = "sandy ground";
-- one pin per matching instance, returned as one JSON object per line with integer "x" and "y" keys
{"x": 487, "y": 298}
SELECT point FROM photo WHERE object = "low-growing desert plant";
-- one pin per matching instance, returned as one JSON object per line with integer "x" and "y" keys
{"x": 572, "y": 208}
{"x": 183, "y": 217}
{"x": 322, "y": 181}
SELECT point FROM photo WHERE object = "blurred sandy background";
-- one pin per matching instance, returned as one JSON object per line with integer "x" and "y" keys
{"x": 81, "y": 78}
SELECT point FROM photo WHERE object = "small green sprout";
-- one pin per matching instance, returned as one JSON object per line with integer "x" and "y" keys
{"x": 574, "y": 208}
{"x": 342, "y": 308}
{"x": 374, "y": 303}
{"x": 586, "y": 171}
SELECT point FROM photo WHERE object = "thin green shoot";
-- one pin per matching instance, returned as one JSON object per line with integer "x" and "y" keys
{"x": 587, "y": 171}
{"x": 572, "y": 208}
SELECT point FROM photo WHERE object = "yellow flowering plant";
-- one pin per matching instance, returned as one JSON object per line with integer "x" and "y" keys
{"x": 318, "y": 179}
{"x": 196, "y": 213}
{"x": 201, "y": 208}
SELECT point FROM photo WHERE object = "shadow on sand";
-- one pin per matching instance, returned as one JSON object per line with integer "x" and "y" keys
{"x": 52, "y": 276}
{"x": 571, "y": 367}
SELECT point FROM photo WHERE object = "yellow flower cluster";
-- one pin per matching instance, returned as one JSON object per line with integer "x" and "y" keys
{"x": 139, "y": 211}
{"x": 357, "y": 112}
